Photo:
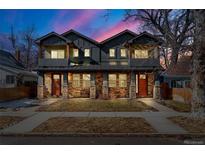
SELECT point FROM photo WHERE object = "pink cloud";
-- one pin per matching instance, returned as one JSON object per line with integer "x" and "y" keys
{"x": 82, "y": 18}
{"x": 114, "y": 29}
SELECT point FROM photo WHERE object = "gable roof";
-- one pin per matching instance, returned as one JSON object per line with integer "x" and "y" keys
{"x": 118, "y": 34}
{"x": 7, "y": 59}
{"x": 49, "y": 35}
{"x": 145, "y": 33}
{"x": 182, "y": 68}
{"x": 79, "y": 34}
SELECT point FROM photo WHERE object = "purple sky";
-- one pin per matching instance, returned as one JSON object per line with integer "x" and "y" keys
{"x": 92, "y": 23}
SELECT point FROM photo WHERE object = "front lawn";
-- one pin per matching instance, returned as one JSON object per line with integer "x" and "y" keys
{"x": 94, "y": 125}
{"x": 189, "y": 124}
{"x": 6, "y": 121}
{"x": 177, "y": 106}
{"x": 89, "y": 105}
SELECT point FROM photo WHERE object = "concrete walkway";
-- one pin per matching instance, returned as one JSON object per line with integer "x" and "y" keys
{"x": 158, "y": 120}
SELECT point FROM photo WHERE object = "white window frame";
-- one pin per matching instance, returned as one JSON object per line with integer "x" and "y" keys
{"x": 87, "y": 52}
{"x": 75, "y": 52}
{"x": 86, "y": 80}
{"x": 138, "y": 54}
{"x": 125, "y": 53}
{"x": 76, "y": 82}
{"x": 57, "y": 54}
{"x": 112, "y": 55}
{"x": 112, "y": 82}
{"x": 122, "y": 81}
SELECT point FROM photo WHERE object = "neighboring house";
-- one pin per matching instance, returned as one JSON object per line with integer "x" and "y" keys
{"x": 179, "y": 75}
{"x": 12, "y": 72}
{"x": 176, "y": 81}
{"x": 74, "y": 65}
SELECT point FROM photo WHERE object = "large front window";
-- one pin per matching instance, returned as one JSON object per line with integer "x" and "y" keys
{"x": 112, "y": 80}
{"x": 86, "y": 80}
{"x": 141, "y": 54}
{"x": 57, "y": 54}
{"x": 122, "y": 80}
{"x": 76, "y": 80}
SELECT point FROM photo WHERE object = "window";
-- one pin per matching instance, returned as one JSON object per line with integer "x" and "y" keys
{"x": 122, "y": 80}
{"x": 86, "y": 80}
{"x": 76, "y": 80}
{"x": 124, "y": 63}
{"x": 141, "y": 54}
{"x": 9, "y": 79}
{"x": 142, "y": 76}
{"x": 75, "y": 52}
{"x": 87, "y": 52}
{"x": 123, "y": 53}
{"x": 176, "y": 84}
{"x": 113, "y": 63}
{"x": 112, "y": 53}
{"x": 112, "y": 80}
{"x": 57, "y": 54}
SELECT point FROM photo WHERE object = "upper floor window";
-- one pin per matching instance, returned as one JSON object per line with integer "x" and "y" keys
{"x": 112, "y": 53}
{"x": 75, "y": 52}
{"x": 57, "y": 54}
{"x": 123, "y": 53}
{"x": 87, "y": 53}
{"x": 112, "y": 80}
{"x": 141, "y": 54}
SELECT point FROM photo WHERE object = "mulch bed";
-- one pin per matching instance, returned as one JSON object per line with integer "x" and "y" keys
{"x": 190, "y": 124}
{"x": 6, "y": 121}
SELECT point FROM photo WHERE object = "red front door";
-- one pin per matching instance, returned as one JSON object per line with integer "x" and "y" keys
{"x": 56, "y": 85}
{"x": 142, "y": 85}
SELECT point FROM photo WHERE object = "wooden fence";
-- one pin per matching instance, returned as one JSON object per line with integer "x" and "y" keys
{"x": 182, "y": 94}
{"x": 7, "y": 94}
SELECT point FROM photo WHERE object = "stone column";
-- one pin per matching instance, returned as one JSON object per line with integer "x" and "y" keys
{"x": 132, "y": 89}
{"x": 105, "y": 85}
{"x": 40, "y": 88}
{"x": 65, "y": 85}
{"x": 156, "y": 90}
{"x": 92, "y": 87}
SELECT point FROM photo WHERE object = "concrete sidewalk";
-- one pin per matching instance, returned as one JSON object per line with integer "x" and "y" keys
{"x": 157, "y": 120}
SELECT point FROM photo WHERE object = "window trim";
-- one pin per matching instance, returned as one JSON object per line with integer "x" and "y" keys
{"x": 114, "y": 81}
{"x": 75, "y": 49}
{"x": 114, "y": 53}
{"x": 120, "y": 86}
{"x": 73, "y": 85}
{"x": 57, "y": 51}
{"x": 141, "y": 54}
{"x": 125, "y": 53}
{"x": 85, "y": 52}
{"x": 85, "y": 81}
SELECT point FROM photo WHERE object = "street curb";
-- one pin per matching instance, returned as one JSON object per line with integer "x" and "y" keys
{"x": 103, "y": 135}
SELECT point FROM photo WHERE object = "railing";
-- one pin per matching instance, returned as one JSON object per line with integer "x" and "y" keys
{"x": 53, "y": 62}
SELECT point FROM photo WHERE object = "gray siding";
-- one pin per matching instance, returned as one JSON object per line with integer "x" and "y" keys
{"x": 53, "y": 40}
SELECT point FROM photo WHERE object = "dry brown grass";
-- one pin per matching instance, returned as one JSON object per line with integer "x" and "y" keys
{"x": 6, "y": 121}
{"x": 94, "y": 125}
{"x": 189, "y": 124}
{"x": 88, "y": 105}
{"x": 177, "y": 106}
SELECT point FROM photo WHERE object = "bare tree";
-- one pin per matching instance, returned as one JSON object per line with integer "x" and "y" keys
{"x": 28, "y": 37}
{"x": 13, "y": 38}
{"x": 174, "y": 27}
{"x": 198, "y": 68}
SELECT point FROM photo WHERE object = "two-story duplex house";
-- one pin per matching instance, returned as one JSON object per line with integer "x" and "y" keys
{"x": 73, "y": 65}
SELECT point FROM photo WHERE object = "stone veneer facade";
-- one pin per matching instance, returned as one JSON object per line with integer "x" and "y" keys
{"x": 99, "y": 87}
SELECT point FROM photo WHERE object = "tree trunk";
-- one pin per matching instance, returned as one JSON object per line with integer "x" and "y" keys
{"x": 198, "y": 72}
{"x": 174, "y": 56}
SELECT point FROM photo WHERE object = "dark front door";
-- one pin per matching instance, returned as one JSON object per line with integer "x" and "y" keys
{"x": 56, "y": 85}
{"x": 142, "y": 85}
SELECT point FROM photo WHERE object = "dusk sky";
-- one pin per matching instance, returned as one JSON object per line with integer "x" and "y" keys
{"x": 92, "y": 23}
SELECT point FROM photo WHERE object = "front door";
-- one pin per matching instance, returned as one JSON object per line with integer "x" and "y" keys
{"x": 142, "y": 85}
{"x": 56, "y": 85}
